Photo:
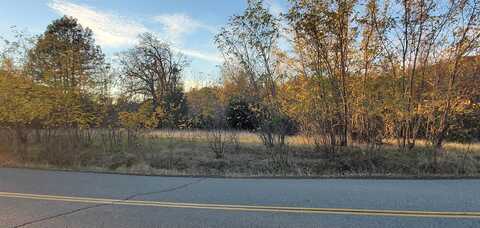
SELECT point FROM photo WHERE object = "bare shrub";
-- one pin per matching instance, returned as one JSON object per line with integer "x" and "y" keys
{"x": 216, "y": 140}
{"x": 234, "y": 140}
{"x": 111, "y": 139}
{"x": 273, "y": 133}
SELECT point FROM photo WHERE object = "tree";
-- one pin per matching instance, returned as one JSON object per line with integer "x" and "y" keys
{"x": 250, "y": 40}
{"x": 463, "y": 40}
{"x": 426, "y": 49}
{"x": 324, "y": 39}
{"x": 152, "y": 71}
{"x": 235, "y": 83}
{"x": 23, "y": 102}
{"x": 370, "y": 89}
{"x": 419, "y": 30}
{"x": 66, "y": 60}
{"x": 66, "y": 56}
{"x": 205, "y": 108}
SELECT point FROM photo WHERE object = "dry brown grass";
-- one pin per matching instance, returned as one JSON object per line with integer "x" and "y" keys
{"x": 448, "y": 146}
{"x": 244, "y": 137}
{"x": 472, "y": 147}
{"x": 188, "y": 152}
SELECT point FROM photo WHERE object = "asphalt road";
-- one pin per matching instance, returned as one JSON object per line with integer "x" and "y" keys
{"x": 32, "y": 198}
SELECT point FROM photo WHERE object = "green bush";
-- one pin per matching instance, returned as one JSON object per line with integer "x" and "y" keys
{"x": 241, "y": 114}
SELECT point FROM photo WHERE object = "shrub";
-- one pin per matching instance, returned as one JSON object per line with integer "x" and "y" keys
{"x": 216, "y": 140}
{"x": 241, "y": 114}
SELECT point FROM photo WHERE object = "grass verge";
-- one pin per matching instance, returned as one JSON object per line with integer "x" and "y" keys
{"x": 189, "y": 153}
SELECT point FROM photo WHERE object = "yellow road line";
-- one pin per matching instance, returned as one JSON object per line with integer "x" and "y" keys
{"x": 226, "y": 207}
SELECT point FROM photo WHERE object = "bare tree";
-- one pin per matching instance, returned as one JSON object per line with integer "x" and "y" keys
{"x": 464, "y": 43}
{"x": 428, "y": 33}
{"x": 250, "y": 40}
{"x": 152, "y": 70}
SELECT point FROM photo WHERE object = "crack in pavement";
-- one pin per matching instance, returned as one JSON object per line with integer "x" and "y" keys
{"x": 107, "y": 204}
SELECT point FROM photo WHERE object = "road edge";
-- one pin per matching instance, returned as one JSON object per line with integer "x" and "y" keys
{"x": 319, "y": 177}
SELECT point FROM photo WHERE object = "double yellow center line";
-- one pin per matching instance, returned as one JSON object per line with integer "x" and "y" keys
{"x": 226, "y": 207}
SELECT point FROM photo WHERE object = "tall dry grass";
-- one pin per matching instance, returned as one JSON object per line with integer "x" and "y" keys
{"x": 244, "y": 137}
{"x": 189, "y": 152}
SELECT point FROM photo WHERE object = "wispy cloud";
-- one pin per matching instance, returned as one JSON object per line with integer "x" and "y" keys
{"x": 110, "y": 30}
{"x": 116, "y": 31}
{"x": 275, "y": 8}
{"x": 177, "y": 25}
{"x": 211, "y": 57}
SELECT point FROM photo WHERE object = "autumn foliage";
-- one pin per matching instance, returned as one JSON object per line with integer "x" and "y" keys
{"x": 342, "y": 73}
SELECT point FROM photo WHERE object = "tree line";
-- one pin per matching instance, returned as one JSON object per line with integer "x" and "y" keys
{"x": 340, "y": 71}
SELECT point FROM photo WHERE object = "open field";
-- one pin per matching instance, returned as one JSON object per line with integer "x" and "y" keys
{"x": 367, "y": 93}
{"x": 177, "y": 152}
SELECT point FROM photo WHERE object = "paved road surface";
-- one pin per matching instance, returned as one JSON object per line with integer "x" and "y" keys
{"x": 30, "y": 198}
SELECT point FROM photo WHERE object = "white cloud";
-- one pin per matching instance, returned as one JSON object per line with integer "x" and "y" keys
{"x": 110, "y": 30}
{"x": 191, "y": 84}
{"x": 177, "y": 25}
{"x": 275, "y": 8}
{"x": 210, "y": 57}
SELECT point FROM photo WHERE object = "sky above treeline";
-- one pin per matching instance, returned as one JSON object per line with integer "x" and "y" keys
{"x": 188, "y": 25}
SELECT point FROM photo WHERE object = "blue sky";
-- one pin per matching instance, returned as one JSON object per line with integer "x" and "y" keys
{"x": 189, "y": 25}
